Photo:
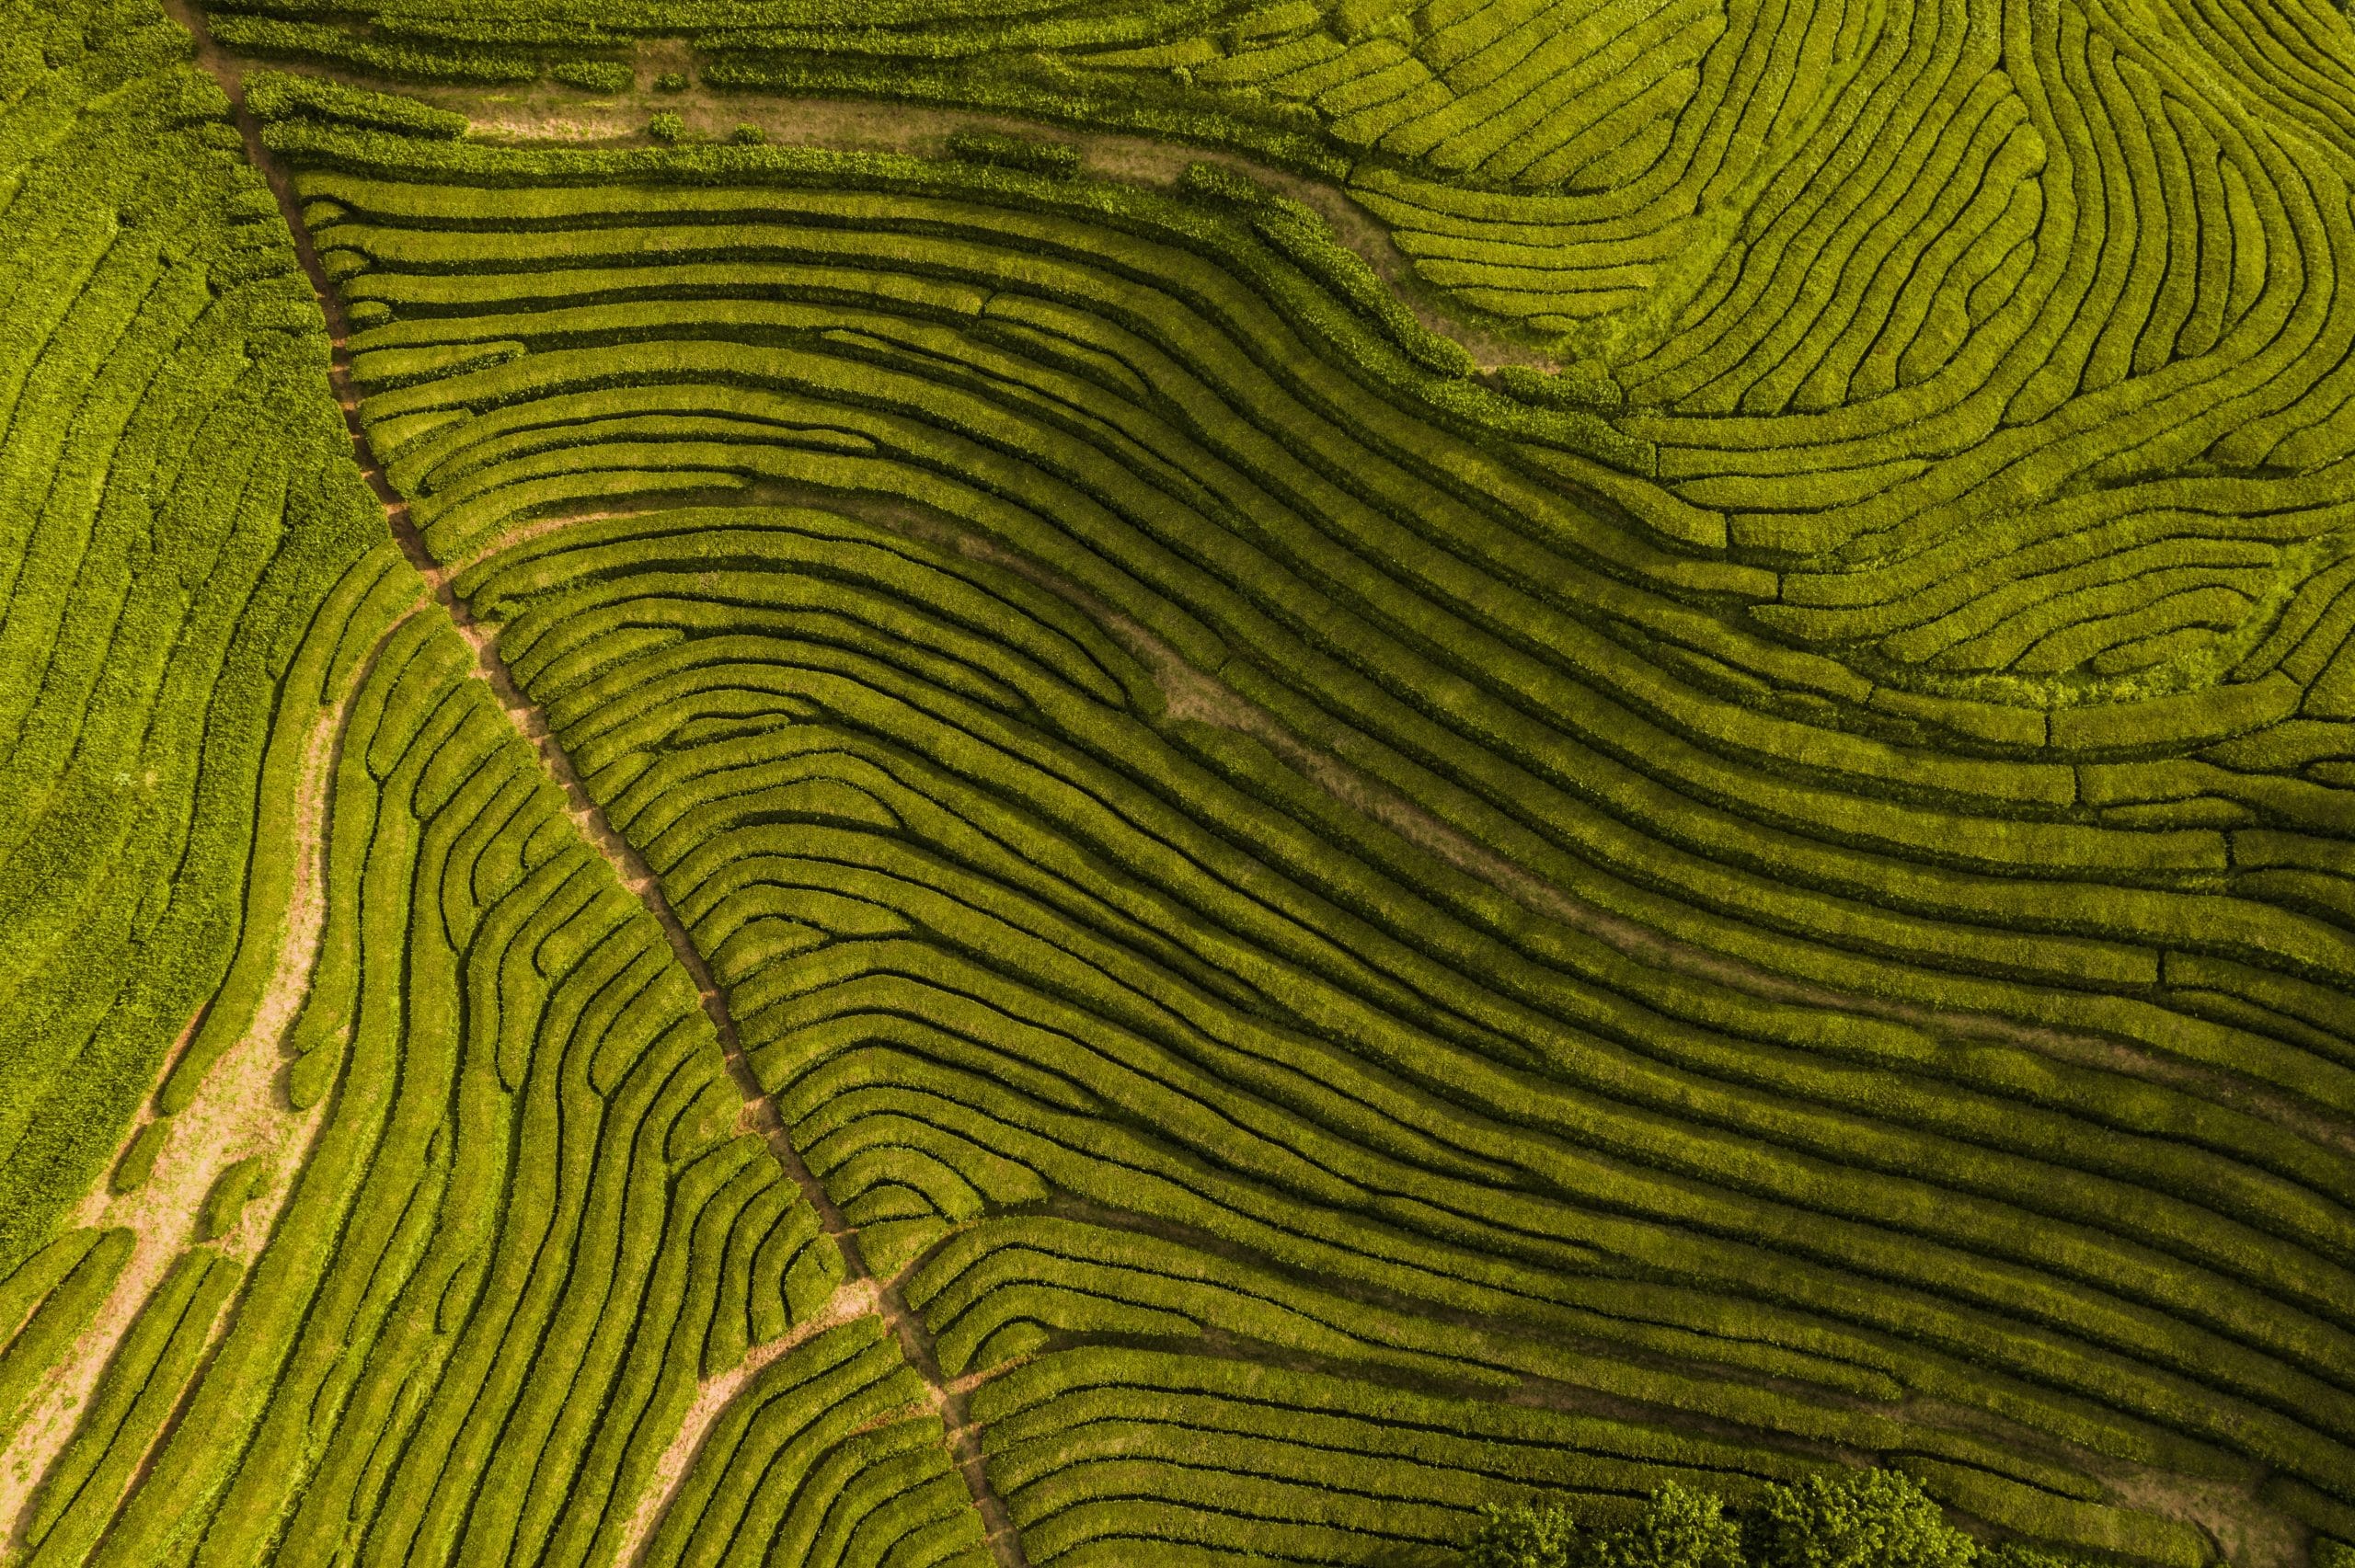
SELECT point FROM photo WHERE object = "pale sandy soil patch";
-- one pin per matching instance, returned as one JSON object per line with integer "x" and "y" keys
{"x": 852, "y": 1299}
{"x": 241, "y": 1110}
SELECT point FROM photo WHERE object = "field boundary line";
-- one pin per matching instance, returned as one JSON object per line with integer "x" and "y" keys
{"x": 759, "y": 1114}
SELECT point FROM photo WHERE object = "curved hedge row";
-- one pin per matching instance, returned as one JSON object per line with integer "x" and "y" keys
{"x": 1104, "y": 1024}
{"x": 175, "y": 507}
{"x": 1578, "y": 700}
{"x": 2012, "y": 337}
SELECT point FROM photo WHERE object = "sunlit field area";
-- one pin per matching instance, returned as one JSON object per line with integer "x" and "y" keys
{"x": 1176, "y": 784}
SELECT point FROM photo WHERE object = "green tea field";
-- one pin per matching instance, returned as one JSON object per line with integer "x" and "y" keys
{"x": 1176, "y": 784}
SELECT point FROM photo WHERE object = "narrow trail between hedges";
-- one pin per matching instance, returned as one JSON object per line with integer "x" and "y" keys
{"x": 759, "y": 1114}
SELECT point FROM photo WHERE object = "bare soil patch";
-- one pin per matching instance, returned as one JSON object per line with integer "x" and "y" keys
{"x": 852, "y": 1298}
{"x": 241, "y": 1110}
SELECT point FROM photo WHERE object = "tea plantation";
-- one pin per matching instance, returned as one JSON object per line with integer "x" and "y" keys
{"x": 986, "y": 783}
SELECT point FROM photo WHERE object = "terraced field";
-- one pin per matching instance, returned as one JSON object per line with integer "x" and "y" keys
{"x": 1175, "y": 784}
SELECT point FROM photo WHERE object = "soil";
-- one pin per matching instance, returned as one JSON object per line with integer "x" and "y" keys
{"x": 241, "y": 1110}
{"x": 852, "y": 1298}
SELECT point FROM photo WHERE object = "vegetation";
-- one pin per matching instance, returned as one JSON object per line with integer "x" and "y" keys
{"x": 1606, "y": 759}
{"x": 147, "y": 598}
{"x": 1874, "y": 1518}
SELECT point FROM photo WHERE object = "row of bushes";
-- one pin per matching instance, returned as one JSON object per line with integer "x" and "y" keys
{"x": 914, "y": 824}
{"x": 1874, "y": 1518}
{"x": 174, "y": 524}
{"x": 676, "y": 573}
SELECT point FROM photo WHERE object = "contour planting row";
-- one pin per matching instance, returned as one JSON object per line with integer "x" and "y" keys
{"x": 526, "y": 1231}
{"x": 169, "y": 525}
{"x": 2015, "y": 332}
{"x": 1119, "y": 1031}
{"x": 1582, "y": 704}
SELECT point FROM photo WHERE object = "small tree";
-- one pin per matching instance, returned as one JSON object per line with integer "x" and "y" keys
{"x": 666, "y": 126}
{"x": 1678, "y": 1530}
{"x": 1521, "y": 1536}
{"x": 1874, "y": 1518}
{"x": 749, "y": 136}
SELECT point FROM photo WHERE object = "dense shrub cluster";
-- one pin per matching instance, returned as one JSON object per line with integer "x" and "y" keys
{"x": 1876, "y": 1518}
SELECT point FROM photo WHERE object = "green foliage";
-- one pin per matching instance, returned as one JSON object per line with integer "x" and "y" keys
{"x": 1055, "y": 159}
{"x": 747, "y": 134}
{"x": 168, "y": 529}
{"x": 138, "y": 1161}
{"x": 667, "y": 126}
{"x": 1678, "y": 1529}
{"x": 1522, "y": 1535}
{"x": 1218, "y": 182}
{"x": 672, "y": 81}
{"x": 281, "y": 94}
{"x": 51, "y": 1299}
{"x": 1586, "y": 383}
{"x": 2013, "y": 1554}
{"x": 401, "y": 60}
{"x": 1872, "y": 1519}
{"x": 224, "y": 1204}
{"x": 596, "y": 75}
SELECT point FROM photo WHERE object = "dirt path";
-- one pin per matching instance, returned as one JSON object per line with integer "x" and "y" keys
{"x": 852, "y": 1298}
{"x": 240, "y": 1110}
{"x": 760, "y": 1112}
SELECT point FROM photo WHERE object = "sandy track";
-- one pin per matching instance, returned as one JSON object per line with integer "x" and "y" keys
{"x": 240, "y": 1110}
{"x": 852, "y": 1299}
